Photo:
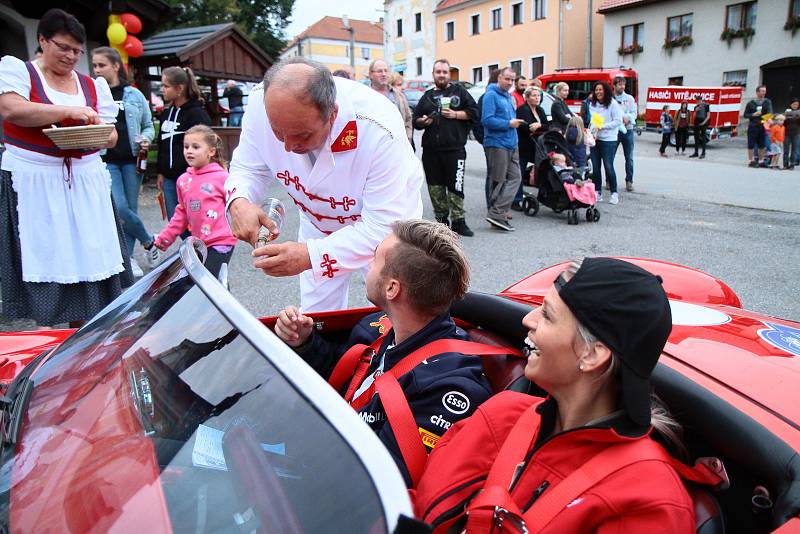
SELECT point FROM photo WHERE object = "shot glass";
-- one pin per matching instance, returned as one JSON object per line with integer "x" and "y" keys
{"x": 276, "y": 211}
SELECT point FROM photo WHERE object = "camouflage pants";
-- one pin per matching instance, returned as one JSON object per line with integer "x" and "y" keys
{"x": 444, "y": 173}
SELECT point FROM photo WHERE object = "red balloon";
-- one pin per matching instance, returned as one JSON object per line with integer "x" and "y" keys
{"x": 132, "y": 23}
{"x": 133, "y": 46}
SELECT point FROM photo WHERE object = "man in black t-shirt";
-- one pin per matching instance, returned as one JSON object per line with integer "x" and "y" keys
{"x": 446, "y": 112}
{"x": 234, "y": 96}
{"x": 754, "y": 112}
{"x": 702, "y": 116}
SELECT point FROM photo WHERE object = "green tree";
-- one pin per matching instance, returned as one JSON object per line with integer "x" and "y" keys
{"x": 263, "y": 21}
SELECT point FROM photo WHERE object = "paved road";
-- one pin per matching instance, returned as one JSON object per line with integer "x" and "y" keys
{"x": 739, "y": 224}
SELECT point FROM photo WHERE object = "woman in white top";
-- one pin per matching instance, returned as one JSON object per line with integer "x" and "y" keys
{"x": 602, "y": 153}
{"x": 62, "y": 254}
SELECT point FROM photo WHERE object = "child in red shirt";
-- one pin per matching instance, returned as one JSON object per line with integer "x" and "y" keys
{"x": 776, "y": 136}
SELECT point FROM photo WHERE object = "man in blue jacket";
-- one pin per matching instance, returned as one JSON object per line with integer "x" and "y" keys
{"x": 419, "y": 270}
{"x": 498, "y": 116}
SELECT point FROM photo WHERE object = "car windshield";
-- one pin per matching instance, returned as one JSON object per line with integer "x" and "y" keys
{"x": 578, "y": 89}
{"x": 162, "y": 414}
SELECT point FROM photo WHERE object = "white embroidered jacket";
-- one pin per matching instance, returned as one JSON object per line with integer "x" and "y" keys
{"x": 365, "y": 177}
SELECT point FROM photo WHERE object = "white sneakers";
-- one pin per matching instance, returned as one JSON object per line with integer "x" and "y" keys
{"x": 135, "y": 269}
{"x": 600, "y": 197}
{"x": 153, "y": 255}
{"x": 613, "y": 200}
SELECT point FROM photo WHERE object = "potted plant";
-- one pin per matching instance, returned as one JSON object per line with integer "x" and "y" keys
{"x": 792, "y": 25}
{"x": 631, "y": 49}
{"x": 746, "y": 34}
{"x": 683, "y": 41}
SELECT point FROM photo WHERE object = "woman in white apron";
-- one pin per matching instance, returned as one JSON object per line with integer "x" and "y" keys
{"x": 62, "y": 254}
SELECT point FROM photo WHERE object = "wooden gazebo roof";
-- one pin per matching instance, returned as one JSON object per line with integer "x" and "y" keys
{"x": 216, "y": 51}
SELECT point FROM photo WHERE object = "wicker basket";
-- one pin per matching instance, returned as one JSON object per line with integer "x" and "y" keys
{"x": 80, "y": 137}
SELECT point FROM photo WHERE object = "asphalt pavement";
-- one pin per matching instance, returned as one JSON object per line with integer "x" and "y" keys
{"x": 717, "y": 215}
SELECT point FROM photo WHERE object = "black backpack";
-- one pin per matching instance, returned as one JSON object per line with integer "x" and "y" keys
{"x": 477, "y": 126}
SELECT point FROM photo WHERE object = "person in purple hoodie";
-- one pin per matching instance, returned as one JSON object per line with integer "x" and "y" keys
{"x": 201, "y": 199}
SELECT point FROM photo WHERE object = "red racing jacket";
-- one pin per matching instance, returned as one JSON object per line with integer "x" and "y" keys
{"x": 648, "y": 496}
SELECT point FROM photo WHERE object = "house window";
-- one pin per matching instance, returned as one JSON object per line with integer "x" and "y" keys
{"x": 675, "y": 80}
{"x": 449, "y": 31}
{"x": 736, "y": 78}
{"x": 517, "y": 67}
{"x": 364, "y": 53}
{"x": 491, "y": 68}
{"x": 740, "y": 16}
{"x": 497, "y": 18}
{"x": 632, "y": 38}
{"x": 680, "y": 26}
{"x": 418, "y": 22}
{"x": 539, "y": 9}
{"x": 399, "y": 27}
{"x": 794, "y": 9}
{"x": 475, "y": 24}
{"x": 516, "y": 14}
{"x": 419, "y": 66}
{"x": 537, "y": 66}
{"x": 477, "y": 75}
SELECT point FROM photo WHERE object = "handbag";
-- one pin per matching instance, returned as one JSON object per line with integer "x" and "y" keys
{"x": 588, "y": 138}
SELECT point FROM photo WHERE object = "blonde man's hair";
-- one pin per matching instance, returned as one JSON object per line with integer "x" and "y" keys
{"x": 430, "y": 263}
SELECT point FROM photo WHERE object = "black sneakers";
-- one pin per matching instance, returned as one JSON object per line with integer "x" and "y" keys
{"x": 502, "y": 224}
{"x": 460, "y": 227}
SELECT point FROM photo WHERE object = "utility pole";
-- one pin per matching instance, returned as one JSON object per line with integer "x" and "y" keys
{"x": 561, "y": 4}
{"x": 560, "y": 34}
{"x": 352, "y": 31}
{"x": 589, "y": 19}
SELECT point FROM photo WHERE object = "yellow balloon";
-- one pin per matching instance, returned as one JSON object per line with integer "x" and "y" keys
{"x": 113, "y": 18}
{"x": 116, "y": 33}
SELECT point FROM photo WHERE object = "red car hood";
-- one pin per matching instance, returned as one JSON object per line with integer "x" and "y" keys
{"x": 755, "y": 356}
{"x": 17, "y": 349}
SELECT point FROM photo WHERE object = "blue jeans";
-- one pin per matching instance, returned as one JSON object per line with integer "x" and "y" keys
{"x": 626, "y": 140}
{"x": 236, "y": 116}
{"x": 125, "y": 186}
{"x": 791, "y": 150}
{"x": 604, "y": 151}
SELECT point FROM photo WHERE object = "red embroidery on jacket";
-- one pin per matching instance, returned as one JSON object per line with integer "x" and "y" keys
{"x": 328, "y": 264}
{"x": 346, "y": 203}
{"x": 341, "y": 219}
{"x": 229, "y": 194}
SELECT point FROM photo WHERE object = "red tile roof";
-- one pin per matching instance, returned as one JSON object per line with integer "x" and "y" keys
{"x": 618, "y": 5}
{"x": 333, "y": 28}
{"x": 444, "y": 4}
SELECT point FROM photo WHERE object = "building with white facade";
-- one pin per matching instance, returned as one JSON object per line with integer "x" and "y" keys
{"x": 706, "y": 43}
{"x": 328, "y": 41}
{"x": 410, "y": 37}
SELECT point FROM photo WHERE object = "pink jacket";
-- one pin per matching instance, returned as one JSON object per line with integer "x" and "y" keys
{"x": 201, "y": 208}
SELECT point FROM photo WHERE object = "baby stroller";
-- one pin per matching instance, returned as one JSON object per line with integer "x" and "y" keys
{"x": 553, "y": 185}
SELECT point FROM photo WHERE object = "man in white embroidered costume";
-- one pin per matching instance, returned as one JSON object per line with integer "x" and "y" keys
{"x": 341, "y": 152}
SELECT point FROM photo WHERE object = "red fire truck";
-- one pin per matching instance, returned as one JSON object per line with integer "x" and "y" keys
{"x": 581, "y": 82}
{"x": 724, "y": 102}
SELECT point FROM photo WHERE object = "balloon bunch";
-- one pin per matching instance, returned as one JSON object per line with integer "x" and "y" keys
{"x": 120, "y": 28}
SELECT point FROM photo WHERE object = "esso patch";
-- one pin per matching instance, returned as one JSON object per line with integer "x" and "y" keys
{"x": 686, "y": 314}
{"x": 455, "y": 402}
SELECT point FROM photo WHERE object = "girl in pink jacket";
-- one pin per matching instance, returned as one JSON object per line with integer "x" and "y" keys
{"x": 201, "y": 199}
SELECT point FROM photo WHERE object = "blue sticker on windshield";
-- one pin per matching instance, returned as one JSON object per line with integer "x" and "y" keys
{"x": 784, "y": 337}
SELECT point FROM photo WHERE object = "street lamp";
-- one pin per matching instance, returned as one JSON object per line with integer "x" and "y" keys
{"x": 352, "y": 31}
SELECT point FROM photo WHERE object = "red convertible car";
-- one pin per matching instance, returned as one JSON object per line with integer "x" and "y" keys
{"x": 175, "y": 410}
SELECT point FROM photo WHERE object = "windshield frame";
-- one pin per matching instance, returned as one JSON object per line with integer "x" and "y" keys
{"x": 377, "y": 461}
